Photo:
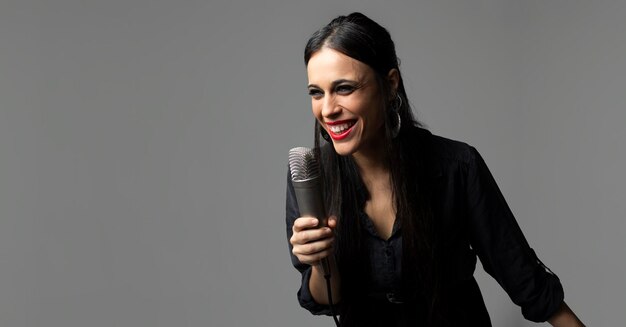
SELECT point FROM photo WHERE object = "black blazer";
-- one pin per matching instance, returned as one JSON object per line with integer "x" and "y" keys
{"x": 476, "y": 221}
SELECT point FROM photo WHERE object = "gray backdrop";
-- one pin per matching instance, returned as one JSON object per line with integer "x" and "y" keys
{"x": 143, "y": 148}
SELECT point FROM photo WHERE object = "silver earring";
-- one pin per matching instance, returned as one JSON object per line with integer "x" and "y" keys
{"x": 324, "y": 134}
{"x": 396, "y": 109}
{"x": 399, "y": 102}
{"x": 396, "y": 129}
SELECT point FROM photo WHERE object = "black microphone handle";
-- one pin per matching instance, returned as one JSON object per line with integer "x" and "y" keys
{"x": 311, "y": 204}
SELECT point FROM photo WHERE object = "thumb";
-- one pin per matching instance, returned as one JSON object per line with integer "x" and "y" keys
{"x": 332, "y": 221}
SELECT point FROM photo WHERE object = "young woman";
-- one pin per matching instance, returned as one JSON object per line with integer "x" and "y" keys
{"x": 409, "y": 211}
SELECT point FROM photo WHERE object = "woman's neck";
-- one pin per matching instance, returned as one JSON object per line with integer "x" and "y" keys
{"x": 372, "y": 164}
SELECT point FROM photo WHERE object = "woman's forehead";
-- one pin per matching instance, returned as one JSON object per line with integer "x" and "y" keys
{"x": 327, "y": 65}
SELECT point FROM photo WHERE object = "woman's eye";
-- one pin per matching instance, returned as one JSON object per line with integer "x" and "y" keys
{"x": 345, "y": 89}
{"x": 315, "y": 93}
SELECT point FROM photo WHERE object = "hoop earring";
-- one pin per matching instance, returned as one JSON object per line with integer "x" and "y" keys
{"x": 396, "y": 129}
{"x": 396, "y": 109}
{"x": 398, "y": 101}
{"x": 324, "y": 134}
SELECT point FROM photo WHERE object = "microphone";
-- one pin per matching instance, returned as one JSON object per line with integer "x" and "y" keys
{"x": 306, "y": 180}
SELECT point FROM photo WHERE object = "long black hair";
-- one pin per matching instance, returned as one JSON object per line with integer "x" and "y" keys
{"x": 360, "y": 38}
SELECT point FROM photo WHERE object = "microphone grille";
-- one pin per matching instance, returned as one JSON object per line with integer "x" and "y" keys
{"x": 303, "y": 164}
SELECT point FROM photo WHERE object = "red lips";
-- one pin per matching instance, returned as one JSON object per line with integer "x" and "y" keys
{"x": 340, "y": 129}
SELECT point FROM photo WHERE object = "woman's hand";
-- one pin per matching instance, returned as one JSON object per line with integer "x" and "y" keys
{"x": 310, "y": 242}
{"x": 565, "y": 317}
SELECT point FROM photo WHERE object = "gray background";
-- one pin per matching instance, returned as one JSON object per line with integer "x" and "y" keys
{"x": 143, "y": 148}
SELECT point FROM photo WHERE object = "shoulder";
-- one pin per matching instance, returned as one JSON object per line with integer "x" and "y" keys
{"x": 442, "y": 149}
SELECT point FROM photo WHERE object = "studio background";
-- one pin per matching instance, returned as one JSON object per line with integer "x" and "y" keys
{"x": 143, "y": 149}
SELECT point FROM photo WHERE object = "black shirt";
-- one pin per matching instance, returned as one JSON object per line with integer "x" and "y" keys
{"x": 476, "y": 221}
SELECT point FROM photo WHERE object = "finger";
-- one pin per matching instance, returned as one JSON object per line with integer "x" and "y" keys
{"x": 332, "y": 221}
{"x": 303, "y": 223}
{"x": 310, "y": 235}
{"x": 312, "y": 259}
{"x": 315, "y": 247}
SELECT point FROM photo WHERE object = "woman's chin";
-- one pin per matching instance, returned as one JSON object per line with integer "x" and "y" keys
{"x": 344, "y": 149}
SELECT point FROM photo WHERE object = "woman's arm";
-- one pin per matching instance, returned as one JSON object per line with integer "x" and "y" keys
{"x": 312, "y": 294}
{"x": 564, "y": 317}
{"x": 317, "y": 284}
{"x": 505, "y": 253}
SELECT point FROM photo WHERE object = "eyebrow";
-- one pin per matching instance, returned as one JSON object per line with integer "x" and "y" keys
{"x": 335, "y": 83}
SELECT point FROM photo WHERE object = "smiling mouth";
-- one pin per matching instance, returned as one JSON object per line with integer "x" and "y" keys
{"x": 340, "y": 129}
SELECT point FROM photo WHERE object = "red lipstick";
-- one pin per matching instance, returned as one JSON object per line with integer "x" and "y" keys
{"x": 340, "y": 129}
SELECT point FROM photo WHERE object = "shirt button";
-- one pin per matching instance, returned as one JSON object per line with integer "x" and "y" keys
{"x": 392, "y": 298}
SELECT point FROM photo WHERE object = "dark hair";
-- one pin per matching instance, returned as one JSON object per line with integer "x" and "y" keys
{"x": 360, "y": 38}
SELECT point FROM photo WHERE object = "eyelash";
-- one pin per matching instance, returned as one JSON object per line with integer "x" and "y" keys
{"x": 345, "y": 89}
{"x": 315, "y": 93}
{"x": 341, "y": 89}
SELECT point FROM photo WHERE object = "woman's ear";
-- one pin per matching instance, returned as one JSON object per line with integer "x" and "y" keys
{"x": 393, "y": 78}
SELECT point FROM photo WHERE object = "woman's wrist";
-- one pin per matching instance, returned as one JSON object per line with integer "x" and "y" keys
{"x": 317, "y": 283}
{"x": 565, "y": 317}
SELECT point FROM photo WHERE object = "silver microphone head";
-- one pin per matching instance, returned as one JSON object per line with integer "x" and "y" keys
{"x": 303, "y": 164}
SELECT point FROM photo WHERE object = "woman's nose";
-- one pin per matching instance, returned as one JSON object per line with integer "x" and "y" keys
{"x": 330, "y": 107}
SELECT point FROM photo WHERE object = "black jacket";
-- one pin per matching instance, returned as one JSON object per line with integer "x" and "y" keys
{"x": 476, "y": 220}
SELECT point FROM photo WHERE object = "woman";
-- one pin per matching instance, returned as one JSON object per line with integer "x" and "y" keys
{"x": 409, "y": 211}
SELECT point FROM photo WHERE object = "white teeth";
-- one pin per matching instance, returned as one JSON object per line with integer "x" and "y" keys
{"x": 338, "y": 129}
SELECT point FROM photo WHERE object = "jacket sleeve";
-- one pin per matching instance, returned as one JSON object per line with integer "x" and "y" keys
{"x": 503, "y": 249}
{"x": 304, "y": 294}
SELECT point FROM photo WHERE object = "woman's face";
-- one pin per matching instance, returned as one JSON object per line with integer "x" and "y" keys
{"x": 346, "y": 100}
